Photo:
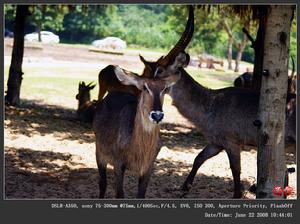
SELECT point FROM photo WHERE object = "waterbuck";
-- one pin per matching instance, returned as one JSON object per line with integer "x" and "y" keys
{"x": 108, "y": 81}
{"x": 127, "y": 128}
{"x": 86, "y": 107}
{"x": 246, "y": 80}
{"x": 225, "y": 117}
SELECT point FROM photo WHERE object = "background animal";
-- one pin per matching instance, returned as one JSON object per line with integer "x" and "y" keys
{"x": 244, "y": 80}
{"x": 209, "y": 60}
{"x": 86, "y": 107}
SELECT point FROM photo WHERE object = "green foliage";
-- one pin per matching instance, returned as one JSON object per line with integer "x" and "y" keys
{"x": 293, "y": 42}
{"x": 9, "y": 13}
{"x": 144, "y": 26}
{"x": 47, "y": 17}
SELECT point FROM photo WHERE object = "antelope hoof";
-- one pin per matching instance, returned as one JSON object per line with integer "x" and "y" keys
{"x": 237, "y": 195}
{"x": 186, "y": 186}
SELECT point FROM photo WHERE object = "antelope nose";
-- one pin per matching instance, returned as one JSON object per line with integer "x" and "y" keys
{"x": 156, "y": 116}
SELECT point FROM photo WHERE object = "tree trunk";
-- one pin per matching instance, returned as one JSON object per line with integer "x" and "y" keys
{"x": 38, "y": 30}
{"x": 229, "y": 52}
{"x": 15, "y": 71}
{"x": 271, "y": 154}
{"x": 230, "y": 42}
{"x": 238, "y": 58}
{"x": 239, "y": 55}
{"x": 241, "y": 48}
{"x": 259, "y": 53}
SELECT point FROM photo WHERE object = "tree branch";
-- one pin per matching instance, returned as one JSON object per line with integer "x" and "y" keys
{"x": 245, "y": 31}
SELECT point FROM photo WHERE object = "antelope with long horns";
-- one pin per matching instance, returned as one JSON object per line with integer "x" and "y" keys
{"x": 109, "y": 82}
{"x": 126, "y": 120}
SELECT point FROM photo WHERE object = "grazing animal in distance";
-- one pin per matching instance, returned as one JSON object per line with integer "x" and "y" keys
{"x": 127, "y": 129}
{"x": 86, "y": 107}
{"x": 209, "y": 60}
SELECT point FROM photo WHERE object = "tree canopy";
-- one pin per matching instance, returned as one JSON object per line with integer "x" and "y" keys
{"x": 150, "y": 26}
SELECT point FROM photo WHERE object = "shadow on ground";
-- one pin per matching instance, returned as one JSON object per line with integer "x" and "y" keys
{"x": 42, "y": 174}
{"x": 46, "y": 174}
{"x": 33, "y": 118}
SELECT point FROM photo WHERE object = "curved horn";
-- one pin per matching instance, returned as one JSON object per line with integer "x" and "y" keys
{"x": 185, "y": 38}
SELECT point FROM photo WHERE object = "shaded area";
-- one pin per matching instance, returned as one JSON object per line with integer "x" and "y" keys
{"x": 181, "y": 137}
{"x": 42, "y": 119}
{"x": 45, "y": 174}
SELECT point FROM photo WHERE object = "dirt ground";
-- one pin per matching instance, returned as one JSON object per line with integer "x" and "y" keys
{"x": 49, "y": 154}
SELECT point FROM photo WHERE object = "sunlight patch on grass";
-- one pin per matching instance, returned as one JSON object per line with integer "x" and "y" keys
{"x": 59, "y": 84}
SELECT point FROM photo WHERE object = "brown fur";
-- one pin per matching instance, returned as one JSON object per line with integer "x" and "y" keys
{"x": 225, "y": 117}
{"x": 125, "y": 136}
{"x": 108, "y": 82}
{"x": 86, "y": 107}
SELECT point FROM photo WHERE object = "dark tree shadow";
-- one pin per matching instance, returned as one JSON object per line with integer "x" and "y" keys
{"x": 43, "y": 174}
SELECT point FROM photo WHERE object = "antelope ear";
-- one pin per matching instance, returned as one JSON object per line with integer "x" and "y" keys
{"x": 146, "y": 63}
{"x": 182, "y": 60}
{"x": 90, "y": 86}
{"x": 128, "y": 78}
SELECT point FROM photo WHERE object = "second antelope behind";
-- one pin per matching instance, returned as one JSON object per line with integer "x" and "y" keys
{"x": 127, "y": 129}
{"x": 86, "y": 107}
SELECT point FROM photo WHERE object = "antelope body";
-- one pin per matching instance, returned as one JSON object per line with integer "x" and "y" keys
{"x": 127, "y": 130}
{"x": 124, "y": 123}
{"x": 108, "y": 81}
{"x": 224, "y": 116}
{"x": 209, "y": 60}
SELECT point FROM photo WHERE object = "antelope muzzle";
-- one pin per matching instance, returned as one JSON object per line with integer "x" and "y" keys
{"x": 156, "y": 116}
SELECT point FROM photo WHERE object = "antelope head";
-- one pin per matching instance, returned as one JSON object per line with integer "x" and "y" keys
{"x": 152, "y": 93}
{"x": 84, "y": 92}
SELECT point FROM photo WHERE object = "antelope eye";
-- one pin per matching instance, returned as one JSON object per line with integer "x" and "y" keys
{"x": 159, "y": 70}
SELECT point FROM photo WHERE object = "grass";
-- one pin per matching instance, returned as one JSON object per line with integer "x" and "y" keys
{"x": 60, "y": 84}
{"x": 55, "y": 85}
